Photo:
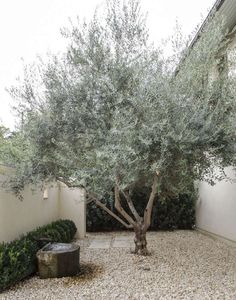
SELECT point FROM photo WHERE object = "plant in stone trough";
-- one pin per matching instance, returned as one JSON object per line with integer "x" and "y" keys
{"x": 111, "y": 115}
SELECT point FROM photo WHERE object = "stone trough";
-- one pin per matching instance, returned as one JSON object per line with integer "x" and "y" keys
{"x": 58, "y": 260}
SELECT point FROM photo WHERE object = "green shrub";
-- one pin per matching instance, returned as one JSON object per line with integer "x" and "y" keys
{"x": 18, "y": 258}
{"x": 175, "y": 213}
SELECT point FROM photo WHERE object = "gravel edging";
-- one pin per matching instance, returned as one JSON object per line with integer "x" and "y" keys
{"x": 182, "y": 265}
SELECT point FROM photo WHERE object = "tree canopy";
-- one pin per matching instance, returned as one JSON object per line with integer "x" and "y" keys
{"x": 111, "y": 113}
{"x": 11, "y": 147}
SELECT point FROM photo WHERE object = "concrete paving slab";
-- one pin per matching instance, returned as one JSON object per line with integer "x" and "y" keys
{"x": 101, "y": 237}
{"x": 100, "y": 243}
{"x": 122, "y": 242}
{"x": 124, "y": 238}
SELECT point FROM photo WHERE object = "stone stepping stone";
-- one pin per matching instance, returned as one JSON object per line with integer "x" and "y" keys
{"x": 122, "y": 242}
{"x": 100, "y": 243}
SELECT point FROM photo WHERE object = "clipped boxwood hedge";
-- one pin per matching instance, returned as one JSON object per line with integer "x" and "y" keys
{"x": 175, "y": 213}
{"x": 18, "y": 258}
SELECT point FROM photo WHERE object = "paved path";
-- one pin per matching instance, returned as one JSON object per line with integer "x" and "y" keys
{"x": 122, "y": 242}
{"x": 100, "y": 242}
{"x": 103, "y": 242}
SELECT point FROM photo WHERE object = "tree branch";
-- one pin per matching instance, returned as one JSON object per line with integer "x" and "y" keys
{"x": 131, "y": 205}
{"x": 119, "y": 207}
{"x": 103, "y": 206}
{"x": 148, "y": 209}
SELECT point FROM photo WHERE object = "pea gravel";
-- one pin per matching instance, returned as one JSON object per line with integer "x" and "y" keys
{"x": 182, "y": 265}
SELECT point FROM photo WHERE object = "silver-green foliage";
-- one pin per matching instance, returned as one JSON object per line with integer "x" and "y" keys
{"x": 112, "y": 106}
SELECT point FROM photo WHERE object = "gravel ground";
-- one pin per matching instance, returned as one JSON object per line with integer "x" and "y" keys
{"x": 182, "y": 265}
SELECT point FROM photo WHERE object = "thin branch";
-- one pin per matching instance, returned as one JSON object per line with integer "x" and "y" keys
{"x": 148, "y": 209}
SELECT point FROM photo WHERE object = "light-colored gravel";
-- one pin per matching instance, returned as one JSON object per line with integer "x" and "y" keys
{"x": 182, "y": 265}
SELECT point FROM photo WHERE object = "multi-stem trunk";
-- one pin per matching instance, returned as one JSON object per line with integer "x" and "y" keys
{"x": 139, "y": 224}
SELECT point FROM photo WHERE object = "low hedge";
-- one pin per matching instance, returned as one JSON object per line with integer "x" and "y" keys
{"x": 18, "y": 258}
{"x": 175, "y": 213}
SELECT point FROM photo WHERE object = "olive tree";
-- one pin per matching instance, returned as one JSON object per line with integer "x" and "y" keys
{"x": 111, "y": 115}
{"x": 11, "y": 147}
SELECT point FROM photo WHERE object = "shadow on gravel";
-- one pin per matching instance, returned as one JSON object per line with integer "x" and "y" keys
{"x": 87, "y": 273}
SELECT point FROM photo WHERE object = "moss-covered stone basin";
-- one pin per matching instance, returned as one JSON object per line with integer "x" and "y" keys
{"x": 58, "y": 260}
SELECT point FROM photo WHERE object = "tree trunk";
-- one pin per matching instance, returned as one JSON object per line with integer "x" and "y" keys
{"x": 140, "y": 239}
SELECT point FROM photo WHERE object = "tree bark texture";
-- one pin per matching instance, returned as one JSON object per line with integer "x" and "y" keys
{"x": 140, "y": 239}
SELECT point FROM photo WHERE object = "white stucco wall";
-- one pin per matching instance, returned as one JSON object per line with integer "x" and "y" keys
{"x": 72, "y": 206}
{"x": 216, "y": 207}
{"x": 19, "y": 217}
